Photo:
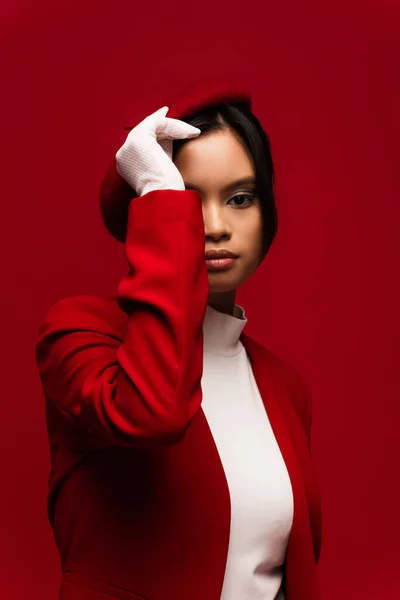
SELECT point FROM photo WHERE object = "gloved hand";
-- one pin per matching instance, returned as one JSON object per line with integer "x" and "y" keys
{"x": 145, "y": 159}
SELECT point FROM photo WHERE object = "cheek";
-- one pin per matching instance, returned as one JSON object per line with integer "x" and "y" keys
{"x": 251, "y": 229}
{"x": 251, "y": 234}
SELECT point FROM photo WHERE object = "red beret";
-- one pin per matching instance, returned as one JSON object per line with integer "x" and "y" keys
{"x": 116, "y": 193}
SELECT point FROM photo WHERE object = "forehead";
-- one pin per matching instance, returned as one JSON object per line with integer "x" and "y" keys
{"x": 214, "y": 159}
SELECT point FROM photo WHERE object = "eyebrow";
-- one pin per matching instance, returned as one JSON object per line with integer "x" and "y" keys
{"x": 243, "y": 181}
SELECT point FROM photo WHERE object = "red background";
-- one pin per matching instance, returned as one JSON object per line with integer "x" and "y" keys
{"x": 326, "y": 299}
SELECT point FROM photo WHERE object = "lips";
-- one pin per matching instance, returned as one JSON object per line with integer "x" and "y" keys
{"x": 215, "y": 254}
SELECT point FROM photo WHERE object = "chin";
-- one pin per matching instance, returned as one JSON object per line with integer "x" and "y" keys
{"x": 223, "y": 282}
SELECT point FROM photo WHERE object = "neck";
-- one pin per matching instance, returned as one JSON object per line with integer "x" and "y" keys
{"x": 222, "y": 301}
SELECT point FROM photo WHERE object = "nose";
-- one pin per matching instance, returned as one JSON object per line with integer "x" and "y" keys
{"x": 216, "y": 225}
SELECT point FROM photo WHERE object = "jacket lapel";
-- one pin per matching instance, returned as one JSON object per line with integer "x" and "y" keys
{"x": 300, "y": 576}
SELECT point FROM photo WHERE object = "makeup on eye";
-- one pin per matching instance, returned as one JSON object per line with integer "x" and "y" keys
{"x": 250, "y": 196}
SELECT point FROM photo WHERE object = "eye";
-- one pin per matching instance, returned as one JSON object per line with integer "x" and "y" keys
{"x": 249, "y": 197}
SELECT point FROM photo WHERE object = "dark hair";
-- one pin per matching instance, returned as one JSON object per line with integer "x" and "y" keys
{"x": 236, "y": 116}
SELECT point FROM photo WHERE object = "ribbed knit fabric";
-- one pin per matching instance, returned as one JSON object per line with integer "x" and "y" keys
{"x": 258, "y": 481}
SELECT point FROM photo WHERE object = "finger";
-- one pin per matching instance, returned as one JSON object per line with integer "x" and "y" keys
{"x": 160, "y": 112}
{"x": 166, "y": 145}
{"x": 167, "y": 128}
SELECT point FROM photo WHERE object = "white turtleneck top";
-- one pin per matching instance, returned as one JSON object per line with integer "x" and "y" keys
{"x": 259, "y": 484}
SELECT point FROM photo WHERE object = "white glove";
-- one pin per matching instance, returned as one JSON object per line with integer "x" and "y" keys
{"x": 145, "y": 159}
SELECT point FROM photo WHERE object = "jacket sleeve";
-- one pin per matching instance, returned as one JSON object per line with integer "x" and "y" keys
{"x": 145, "y": 389}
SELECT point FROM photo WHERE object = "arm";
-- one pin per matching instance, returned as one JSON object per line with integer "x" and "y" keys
{"x": 146, "y": 389}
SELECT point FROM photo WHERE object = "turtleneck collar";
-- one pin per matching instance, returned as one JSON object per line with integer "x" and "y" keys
{"x": 222, "y": 331}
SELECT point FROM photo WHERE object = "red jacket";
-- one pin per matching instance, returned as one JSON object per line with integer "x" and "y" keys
{"x": 138, "y": 498}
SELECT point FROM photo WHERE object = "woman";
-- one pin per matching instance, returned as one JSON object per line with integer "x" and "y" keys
{"x": 180, "y": 447}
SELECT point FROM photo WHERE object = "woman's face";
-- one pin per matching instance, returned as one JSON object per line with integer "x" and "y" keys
{"x": 212, "y": 164}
